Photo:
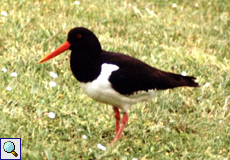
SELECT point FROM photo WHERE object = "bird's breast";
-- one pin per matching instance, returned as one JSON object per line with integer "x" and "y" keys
{"x": 84, "y": 69}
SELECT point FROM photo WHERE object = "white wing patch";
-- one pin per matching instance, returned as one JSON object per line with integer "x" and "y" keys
{"x": 106, "y": 71}
{"x": 101, "y": 89}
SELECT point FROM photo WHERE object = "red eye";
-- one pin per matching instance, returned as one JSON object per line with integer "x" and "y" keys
{"x": 79, "y": 36}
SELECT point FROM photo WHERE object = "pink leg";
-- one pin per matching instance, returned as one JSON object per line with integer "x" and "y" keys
{"x": 124, "y": 122}
{"x": 117, "y": 117}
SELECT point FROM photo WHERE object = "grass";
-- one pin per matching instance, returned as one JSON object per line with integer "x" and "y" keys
{"x": 184, "y": 123}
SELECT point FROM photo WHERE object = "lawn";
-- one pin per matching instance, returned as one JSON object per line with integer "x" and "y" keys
{"x": 176, "y": 36}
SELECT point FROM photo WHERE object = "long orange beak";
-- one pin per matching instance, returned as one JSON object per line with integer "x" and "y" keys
{"x": 65, "y": 46}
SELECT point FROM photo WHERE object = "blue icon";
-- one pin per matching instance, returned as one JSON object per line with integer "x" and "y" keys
{"x": 9, "y": 147}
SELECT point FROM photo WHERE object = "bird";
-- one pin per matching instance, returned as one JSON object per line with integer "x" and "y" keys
{"x": 114, "y": 78}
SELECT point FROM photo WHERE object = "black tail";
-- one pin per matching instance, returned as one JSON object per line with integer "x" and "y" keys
{"x": 179, "y": 81}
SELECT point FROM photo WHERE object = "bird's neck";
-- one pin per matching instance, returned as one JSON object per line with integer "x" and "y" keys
{"x": 85, "y": 66}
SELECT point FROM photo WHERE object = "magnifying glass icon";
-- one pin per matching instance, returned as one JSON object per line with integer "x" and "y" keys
{"x": 9, "y": 147}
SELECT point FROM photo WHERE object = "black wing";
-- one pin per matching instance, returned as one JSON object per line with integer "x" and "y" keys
{"x": 134, "y": 75}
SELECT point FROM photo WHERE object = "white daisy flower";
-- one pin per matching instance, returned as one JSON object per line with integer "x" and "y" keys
{"x": 4, "y": 69}
{"x": 51, "y": 115}
{"x": 54, "y": 75}
{"x": 76, "y": 2}
{"x": 101, "y": 147}
{"x": 84, "y": 136}
{"x": 207, "y": 84}
{"x": 13, "y": 74}
{"x": 184, "y": 73}
{"x": 52, "y": 84}
{"x": 8, "y": 88}
{"x": 174, "y": 5}
{"x": 3, "y": 13}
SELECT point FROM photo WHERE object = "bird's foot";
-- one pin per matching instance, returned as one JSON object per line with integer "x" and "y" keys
{"x": 118, "y": 134}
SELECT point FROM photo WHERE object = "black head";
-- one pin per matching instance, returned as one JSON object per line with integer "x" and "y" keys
{"x": 83, "y": 40}
{"x": 83, "y": 43}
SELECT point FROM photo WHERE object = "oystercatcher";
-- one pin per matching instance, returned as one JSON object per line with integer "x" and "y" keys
{"x": 114, "y": 78}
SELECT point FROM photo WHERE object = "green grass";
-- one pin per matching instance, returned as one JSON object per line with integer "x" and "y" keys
{"x": 184, "y": 123}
